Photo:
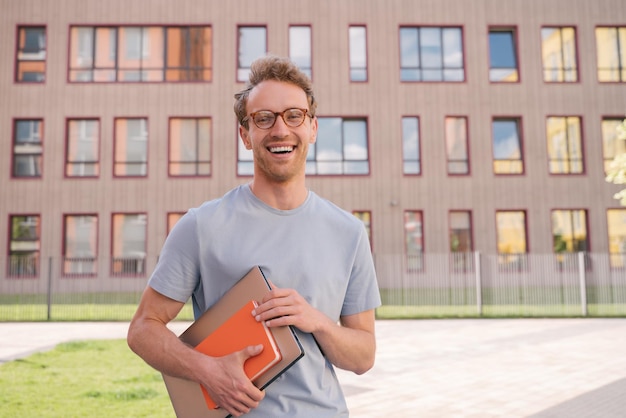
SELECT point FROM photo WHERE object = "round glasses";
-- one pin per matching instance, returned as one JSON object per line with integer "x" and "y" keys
{"x": 265, "y": 119}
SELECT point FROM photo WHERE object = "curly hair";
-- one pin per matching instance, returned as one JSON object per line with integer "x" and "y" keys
{"x": 278, "y": 69}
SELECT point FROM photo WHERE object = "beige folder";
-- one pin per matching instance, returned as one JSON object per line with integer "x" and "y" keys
{"x": 186, "y": 396}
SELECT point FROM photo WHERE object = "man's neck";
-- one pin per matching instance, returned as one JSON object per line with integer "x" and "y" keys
{"x": 283, "y": 196}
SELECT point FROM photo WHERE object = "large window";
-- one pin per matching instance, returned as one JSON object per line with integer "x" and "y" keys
{"x": 128, "y": 244}
{"x": 82, "y": 148}
{"x": 616, "y": 224}
{"x": 190, "y": 147}
{"x": 24, "y": 245}
{"x": 341, "y": 147}
{"x": 558, "y": 50}
{"x": 131, "y": 147}
{"x": 140, "y": 54}
{"x": 569, "y": 231}
{"x": 414, "y": 239}
{"x": 611, "y": 54}
{"x": 300, "y": 48}
{"x": 27, "y": 148}
{"x": 31, "y": 54}
{"x": 411, "y": 161}
{"x": 431, "y": 54}
{"x": 80, "y": 244}
{"x": 511, "y": 239}
{"x": 252, "y": 44}
{"x": 611, "y": 144}
{"x": 503, "y": 65}
{"x": 358, "y": 53}
{"x": 564, "y": 145}
{"x": 507, "y": 146}
{"x": 456, "y": 145}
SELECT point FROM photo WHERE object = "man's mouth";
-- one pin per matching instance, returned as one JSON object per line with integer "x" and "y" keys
{"x": 281, "y": 150}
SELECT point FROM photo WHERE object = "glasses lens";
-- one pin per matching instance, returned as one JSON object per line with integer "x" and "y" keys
{"x": 264, "y": 119}
{"x": 294, "y": 117}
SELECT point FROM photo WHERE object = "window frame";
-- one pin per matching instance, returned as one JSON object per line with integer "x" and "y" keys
{"x": 142, "y": 165}
{"x": 520, "y": 145}
{"x": 611, "y": 142}
{"x": 617, "y": 259}
{"x": 563, "y": 70}
{"x": 123, "y": 265}
{"x": 352, "y": 53}
{"x": 569, "y": 159}
{"x": 618, "y": 50}
{"x": 414, "y": 260}
{"x": 515, "y": 55}
{"x": 23, "y": 58}
{"x": 308, "y": 70}
{"x": 461, "y": 261}
{"x": 464, "y": 140}
{"x": 242, "y": 72}
{"x": 68, "y": 146}
{"x": 198, "y": 149}
{"x": 415, "y": 162}
{"x": 32, "y": 257}
{"x": 512, "y": 261}
{"x": 90, "y": 262}
{"x": 35, "y": 156}
{"x": 421, "y": 49}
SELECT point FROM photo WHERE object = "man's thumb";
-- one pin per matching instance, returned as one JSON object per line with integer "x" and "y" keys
{"x": 252, "y": 350}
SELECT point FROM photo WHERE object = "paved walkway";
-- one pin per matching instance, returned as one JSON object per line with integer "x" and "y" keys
{"x": 540, "y": 368}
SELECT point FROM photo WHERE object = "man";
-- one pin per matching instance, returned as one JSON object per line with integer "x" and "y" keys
{"x": 316, "y": 255}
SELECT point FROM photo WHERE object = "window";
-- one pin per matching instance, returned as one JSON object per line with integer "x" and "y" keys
{"x": 340, "y": 148}
{"x": 564, "y": 145}
{"x": 82, "y": 148}
{"x": 140, "y": 54}
{"x": 507, "y": 146}
{"x": 245, "y": 158}
{"x": 569, "y": 231}
{"x": 172, "y": 218}
{"x": 503, "y": 66}
{"x": 190, "y": 147}
{"x": 411, "y": 162}
{"x": 24, "y": 245}
{"x": 300, "y": 48}
{"x": 558, "y": 50}
{"x": 366, "y": 217}
{"x": 128, "y": 244}
{"x": 27, "y": 148}
{"x": 131, "y": 147}
{"x": 460, "y": 233}
{"x": 611, "y": 50}
{"x": 511, "y": 239}
{"x": 358, "y": 53}
{"x": 456, "y": 145}
{"x": 413, "y": 240}
{"x": 31, "y": 54}
{"x": 80, "y": 245}
{"x": 252, "y": 45}
{"x": 616, "y": 223}
{"x": 611, "y": 144}
{"x": 431, "y": 54}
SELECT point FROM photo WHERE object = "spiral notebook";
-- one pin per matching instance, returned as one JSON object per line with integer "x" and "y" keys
{"x": 188, "y": 398}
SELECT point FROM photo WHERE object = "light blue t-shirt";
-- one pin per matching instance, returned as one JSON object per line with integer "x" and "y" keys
{"x": 318, "y": 249}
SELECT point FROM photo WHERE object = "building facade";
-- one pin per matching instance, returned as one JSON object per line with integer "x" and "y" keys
{"x": 448, "y": 126}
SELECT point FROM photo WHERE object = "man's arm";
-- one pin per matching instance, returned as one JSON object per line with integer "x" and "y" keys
{"x": 349, "y": 345}
{"x": 223, "y": 377}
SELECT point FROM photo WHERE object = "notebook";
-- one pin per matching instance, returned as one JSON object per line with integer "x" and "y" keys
{"x": 187, "y": 397}
{"x": 236, "y": 333}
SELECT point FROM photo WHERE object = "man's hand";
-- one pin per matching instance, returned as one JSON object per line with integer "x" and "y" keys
{"x": 229, "y": 386}
{"x": 287, "y": 307}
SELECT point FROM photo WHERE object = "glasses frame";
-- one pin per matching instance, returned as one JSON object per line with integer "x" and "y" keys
{"x": 276, "y": 114}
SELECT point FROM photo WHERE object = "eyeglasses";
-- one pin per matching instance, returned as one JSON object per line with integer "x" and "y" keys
{"x": 265, "y": 119}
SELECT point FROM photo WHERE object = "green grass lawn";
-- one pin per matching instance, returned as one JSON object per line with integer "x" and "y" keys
{"x": 83, "y": 379}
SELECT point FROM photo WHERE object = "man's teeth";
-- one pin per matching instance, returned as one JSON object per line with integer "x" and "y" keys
{"x": 281, "y": 149}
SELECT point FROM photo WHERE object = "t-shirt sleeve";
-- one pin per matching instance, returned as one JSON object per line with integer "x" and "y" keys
{"x": 362, "y": 293}
{"x": 177, "y": 272}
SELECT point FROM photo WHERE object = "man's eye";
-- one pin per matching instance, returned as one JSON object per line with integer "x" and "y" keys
{"x": 263, "y": 119}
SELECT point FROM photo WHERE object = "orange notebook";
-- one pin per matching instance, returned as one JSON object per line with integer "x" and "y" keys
{"x": 236, "y": 333}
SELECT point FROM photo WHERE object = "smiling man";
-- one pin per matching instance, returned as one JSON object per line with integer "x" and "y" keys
{"x": 316, "y": 255}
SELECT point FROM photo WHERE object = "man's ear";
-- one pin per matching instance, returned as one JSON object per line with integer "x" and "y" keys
{"x": 313, "y": 130}
{"x": 243, "y": 133}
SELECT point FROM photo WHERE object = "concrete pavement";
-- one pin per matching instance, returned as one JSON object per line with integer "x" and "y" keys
{"x": 540, "y": 368}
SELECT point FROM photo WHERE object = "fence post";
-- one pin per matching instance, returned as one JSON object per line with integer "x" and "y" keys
{"x": 49, "y": 296}
{"x": 479, "y": 290}
{"x": 581, "y": 280}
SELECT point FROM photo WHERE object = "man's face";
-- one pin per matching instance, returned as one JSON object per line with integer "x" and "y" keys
{"x": 280, "y": 151}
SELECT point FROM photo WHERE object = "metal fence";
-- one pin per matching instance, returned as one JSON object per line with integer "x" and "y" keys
{"x": 427, "y": 285}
